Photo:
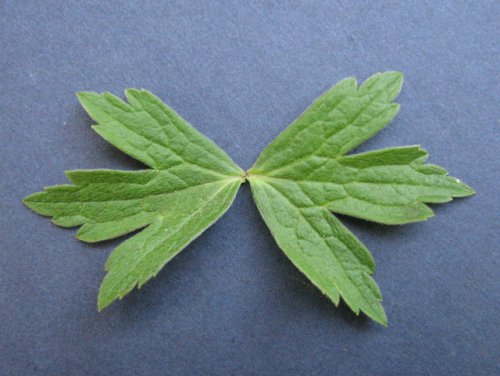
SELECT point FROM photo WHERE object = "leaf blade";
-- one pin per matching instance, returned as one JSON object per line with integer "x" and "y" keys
{"x": 150, "y": 131}
{"x": 389, "y": 187}
{"x": 335, "y": 123}
{"x": 130, "y": 265}
{"x": 321, "y": 248}
{"x": 191, "y": 183}
{"x": 306, "y": 165}
{"x": 109, "y": 197}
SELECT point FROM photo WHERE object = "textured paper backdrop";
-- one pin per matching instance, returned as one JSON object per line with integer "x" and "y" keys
{"x": 231, "y": 303}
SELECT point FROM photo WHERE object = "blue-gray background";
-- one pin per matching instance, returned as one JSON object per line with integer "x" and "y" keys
{"x": 231, "y": 303}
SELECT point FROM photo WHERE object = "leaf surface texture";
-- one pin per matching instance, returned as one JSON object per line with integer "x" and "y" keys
{"x": 304, "y": 175}
{"x": 191, "y": 183}
{"x": 298, "y": 182}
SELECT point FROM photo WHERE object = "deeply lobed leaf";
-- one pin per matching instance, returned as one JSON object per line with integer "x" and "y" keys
{"x": 186, "y": 217}
{"x": 297, "y": 182}
{"x": 303, "y": 175}
{"x": 322, "y": 248}
{"x": 192, "y": 183}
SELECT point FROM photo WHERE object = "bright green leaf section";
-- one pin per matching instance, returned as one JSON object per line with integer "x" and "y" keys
{"x": 153, "y": 133}
{"x": 297, "y": 181}
{"x": 110, "y": 203}
{"x": 141, "y": 257}
{"x": 321, "y": 247}
{"x": 336, "y": 122}
{"x": 191, "y": 184}
{"x": 389, "y": 186}
{"x": 304, "y": 174}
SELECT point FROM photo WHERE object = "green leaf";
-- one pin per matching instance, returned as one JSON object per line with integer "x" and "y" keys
{"x": 321, "y": 247}
{"x": 192, "y": 183}
{"x": 303, "y": 176}
{"x": 337, "y": 122}
{"x": 297, "y": 182}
